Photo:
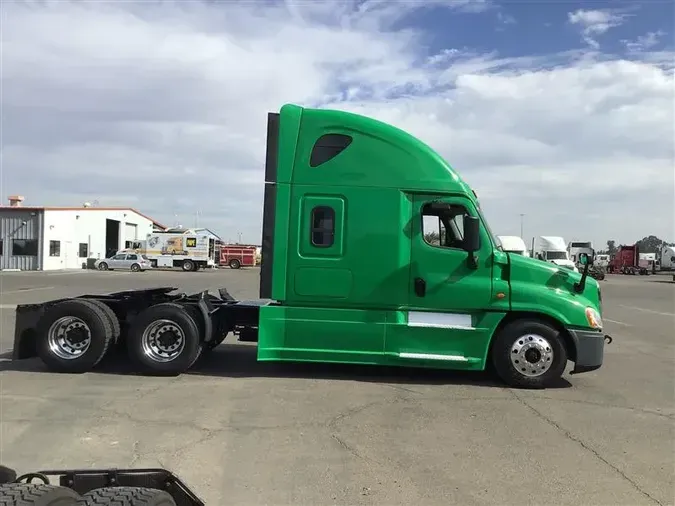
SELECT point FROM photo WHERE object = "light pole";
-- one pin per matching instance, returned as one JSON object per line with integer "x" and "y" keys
{"x": 522, "y": 215}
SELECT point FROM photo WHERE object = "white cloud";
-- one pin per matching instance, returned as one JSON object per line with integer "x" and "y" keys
{"x": 595, "y": 22}
{"x": 644, "y": 42}
{"x": 163, "y": 107}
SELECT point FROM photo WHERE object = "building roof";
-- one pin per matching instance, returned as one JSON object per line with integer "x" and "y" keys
{"x": 80, "y": 208}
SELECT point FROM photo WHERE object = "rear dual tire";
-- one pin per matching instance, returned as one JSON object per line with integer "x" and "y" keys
{"x": 74, "y": 335}
{"x": 165, "y": 339}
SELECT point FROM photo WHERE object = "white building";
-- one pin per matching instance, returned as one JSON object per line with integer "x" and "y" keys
{"x": 52, "y": 238}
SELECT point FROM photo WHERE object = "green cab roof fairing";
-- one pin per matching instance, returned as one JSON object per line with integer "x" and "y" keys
{"x": 380, "y": 155}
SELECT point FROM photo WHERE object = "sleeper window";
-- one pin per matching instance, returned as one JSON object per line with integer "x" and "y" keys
{"x": 322, "y": 226}
{"x": 327, "y": 147}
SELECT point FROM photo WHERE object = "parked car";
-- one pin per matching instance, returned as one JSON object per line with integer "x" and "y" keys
{"x": 124, "y": 261}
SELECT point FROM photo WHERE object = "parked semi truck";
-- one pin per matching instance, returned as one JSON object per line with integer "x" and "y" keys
{"x": 339, "y": 186}
{"x": 553, "y": 249}
{"x": 627, "y": 261}
{"x": 666, "y": 258}
{"x": 576, "y": 247}
{"x": 513, "y": 244}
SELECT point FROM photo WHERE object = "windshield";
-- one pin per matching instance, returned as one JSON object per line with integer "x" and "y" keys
{"x": 556, "y": 255}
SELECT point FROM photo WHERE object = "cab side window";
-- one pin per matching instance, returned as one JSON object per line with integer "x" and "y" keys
{"x": 322, "y": 224}
{"x": 443, "y": 225}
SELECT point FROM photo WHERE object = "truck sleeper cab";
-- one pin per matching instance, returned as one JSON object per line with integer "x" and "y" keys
{"x": 374, "y": 252}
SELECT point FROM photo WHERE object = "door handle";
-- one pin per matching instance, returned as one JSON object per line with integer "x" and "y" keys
{"x": 420, "y": 287}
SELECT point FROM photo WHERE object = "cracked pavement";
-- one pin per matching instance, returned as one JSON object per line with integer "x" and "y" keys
{"x": 245, "y": 433}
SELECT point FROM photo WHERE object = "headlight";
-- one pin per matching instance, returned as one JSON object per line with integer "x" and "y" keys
{"x": 593, "y": 318}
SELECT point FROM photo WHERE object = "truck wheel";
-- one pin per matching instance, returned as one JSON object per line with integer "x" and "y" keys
{"x": 126, "y": 496}
{"x": 103, "y": 266}
{"x": 164, "y": 339}
{"x": 234, "y": 264}
{"x": 73, "y": 336}
{"x": 112, "y": 318}
{"x": 529, "y": 354}
{"x": 188, "y": 265}
{"x": 34, "y": 494}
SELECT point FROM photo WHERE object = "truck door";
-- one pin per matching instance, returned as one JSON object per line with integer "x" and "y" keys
{"x": 448, "y": 297}
{"x": 442, "y": 278}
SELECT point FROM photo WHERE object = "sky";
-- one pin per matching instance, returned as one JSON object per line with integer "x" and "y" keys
{"x": 559, "y": 111}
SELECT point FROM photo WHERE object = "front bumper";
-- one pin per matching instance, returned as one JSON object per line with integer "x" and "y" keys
{"x": 590, "y": 348}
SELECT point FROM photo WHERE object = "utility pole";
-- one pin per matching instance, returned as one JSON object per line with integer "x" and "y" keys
{"x": 522, "y": 215}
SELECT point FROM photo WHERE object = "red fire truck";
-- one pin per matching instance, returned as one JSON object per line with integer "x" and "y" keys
{"x": 237, "y": 256}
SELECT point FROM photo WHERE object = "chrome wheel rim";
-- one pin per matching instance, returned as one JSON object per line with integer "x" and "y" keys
{"x": 69, "y": 337}
{"x": 532, "y": 355}
{"x": 163, "y": 340}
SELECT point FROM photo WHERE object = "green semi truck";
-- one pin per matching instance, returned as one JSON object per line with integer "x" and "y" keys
{"x": 374, "y": 251}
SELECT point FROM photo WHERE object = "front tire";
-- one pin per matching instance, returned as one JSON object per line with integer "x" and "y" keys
{"x": 164, "y": 339}
{"x": 529, "y": 354}
{"x": 103, "y": 266}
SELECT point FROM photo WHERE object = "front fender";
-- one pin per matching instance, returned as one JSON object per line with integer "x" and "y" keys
{"x": 541, "y": 287}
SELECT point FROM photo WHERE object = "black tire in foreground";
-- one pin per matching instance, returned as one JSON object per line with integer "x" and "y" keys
{"x": 188, "y": 266}
{"x": 74, "y": 335}
{"x": 529, "y": 354}
{"x": 103, "y": 266}
{"x": 126, "y": 496}
{"x": 164, "y": 339}
{"x": 235, "y": 264}
{"x": 29, "y": 494}
{"x": 135, "y": 268}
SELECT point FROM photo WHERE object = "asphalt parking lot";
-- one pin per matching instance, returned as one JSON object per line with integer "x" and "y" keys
{"x": 244, "y": 433}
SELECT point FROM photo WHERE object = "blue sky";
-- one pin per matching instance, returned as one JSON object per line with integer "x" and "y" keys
{"x": 540, "y": 27}
{"x": 543, "y": 107}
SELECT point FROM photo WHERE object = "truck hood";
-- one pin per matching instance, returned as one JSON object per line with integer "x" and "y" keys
{"x": 549, "y": 288}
